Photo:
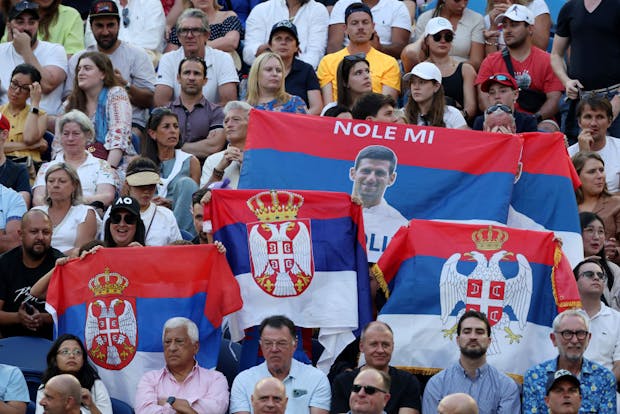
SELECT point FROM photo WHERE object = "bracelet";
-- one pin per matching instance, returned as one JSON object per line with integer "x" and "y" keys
{"x": 217, "y": 173}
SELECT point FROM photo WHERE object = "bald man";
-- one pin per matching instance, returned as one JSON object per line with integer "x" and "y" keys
{"x": 62, "y": 395}
{"x": 459, "y": 403}
{"x": 21, "y": 314}
{"x": 370, "y": 392}
{"x": 269, "y": 396}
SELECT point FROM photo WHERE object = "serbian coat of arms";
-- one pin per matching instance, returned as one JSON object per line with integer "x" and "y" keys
{"x": 111, "y": 328}
{"x": 280, "y": 244}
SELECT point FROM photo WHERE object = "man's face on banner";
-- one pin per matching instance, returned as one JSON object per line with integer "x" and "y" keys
{"x": 370, "y": 180}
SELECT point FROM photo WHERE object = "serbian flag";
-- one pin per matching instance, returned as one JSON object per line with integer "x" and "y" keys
{"x": 434, "y": 271}
{"x": 544, "y": 194}
{"x": 117, "y": 300}
{"x": 438, "y": 173}
{"x": 299, "y": 254}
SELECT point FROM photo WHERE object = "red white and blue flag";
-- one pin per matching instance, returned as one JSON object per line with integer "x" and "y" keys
{"x": 434, "y": 271}
{"x": 117, "y": 300}
{"x": 299, "y": 254}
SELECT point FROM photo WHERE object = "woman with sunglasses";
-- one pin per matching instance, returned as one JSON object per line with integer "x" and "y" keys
{"x": 180, "y": 171}
{"x": 468, "y": 44}
{"x": 28, "y": 121}
{"x": 593, "y": 196}
{"x": 68, "y": 355}
{"x": 426, "y": 105}
{"x": 266, "y": 86}
{"x": 353, "y": 79}
{"x": 593, "y": 236}
{"x": 457, "y": 77}
{"x": 124, "y": 227}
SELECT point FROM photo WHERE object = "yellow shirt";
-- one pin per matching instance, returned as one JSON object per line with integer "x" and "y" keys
{"x": 384, "y": 70}
{"x": 16, "y": 134}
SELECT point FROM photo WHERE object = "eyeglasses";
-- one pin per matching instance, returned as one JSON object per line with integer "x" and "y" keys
{"x": 126, "y": 19}
{"x": 355, "y": 57}
{"x": 498, "y": 107}
{"x": 278, "y": 344}
{"x": 592, "y": 231}
{"x": 194, "y": 31}
{"x": 66, "y": 352}
{"x": 447, "y": 36}
{"x": 569, "y": 334}
{"x": 16, "y": 86}
{"x": 129, "y": 219}
{"x": 368, "y": 389}
{"x": 590, "y": 274}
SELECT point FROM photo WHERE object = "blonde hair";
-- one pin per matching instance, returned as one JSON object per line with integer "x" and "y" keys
{"x": 76, "y": 195}
{"x": 254, "y": 92}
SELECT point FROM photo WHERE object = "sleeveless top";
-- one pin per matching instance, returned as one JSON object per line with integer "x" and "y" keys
{"x": 453, "y": 86}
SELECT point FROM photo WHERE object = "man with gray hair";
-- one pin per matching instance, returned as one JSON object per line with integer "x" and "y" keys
{"x": 227, "y": 163}
{"x": 62, "y": 395}
{"x": 193, "y": 31}
{"x": 181, "y": 385}
{"x": 457, "y": 403}
{"x": 598, "y": 385}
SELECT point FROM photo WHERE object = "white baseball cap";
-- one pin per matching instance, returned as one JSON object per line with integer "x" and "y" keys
{"x": 425, "y": 70}
{"x": 436, "y": 25}
{"x": 517, "y": 13}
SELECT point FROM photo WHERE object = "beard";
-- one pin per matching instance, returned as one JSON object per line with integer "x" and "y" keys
{"x": 36, "y": 253}
{"x": 474, "y": 353}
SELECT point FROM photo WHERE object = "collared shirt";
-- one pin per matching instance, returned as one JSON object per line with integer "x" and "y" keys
{"x": 231, "y": 172}
{"x": 494, "y": 391}
{"x": 205, "y": 390}
{"x": 598, "y": 388}
{"x": 12, "y": 384}
{"x": 196, "y": 124}
{"x": 306, "y": 387}
{"x": 604, "y": 346}
{"x": 12, "y": 206}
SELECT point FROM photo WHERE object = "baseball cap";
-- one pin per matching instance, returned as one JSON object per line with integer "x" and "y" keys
{"x": 103, "y": 8}
{"x": 356, "y": 7}
{"x": 436, "y": 25}
{"x": 5, "y": 125}
{"x": 126, "y": 203}
{"x": 284, "y": 26}
{"x": 558, "y": 375}
{"x": 23, "y": 7}
{"x": 501, "y": 78}
{"x": 424, "y": 70}
{"x": 517, "y": 13}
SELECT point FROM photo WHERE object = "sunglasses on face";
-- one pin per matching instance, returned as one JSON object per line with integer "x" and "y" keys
{"x": 368, "y": 389}
{"x": 447, "y": 36}
{"x": 129, "y": 219}
{"x": 498, "y": 107}
{"x": 590, "y": 275}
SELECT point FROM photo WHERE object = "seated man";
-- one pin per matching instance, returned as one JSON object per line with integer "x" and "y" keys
{"x": 571, "y": 337}
{"x": 182, "y": 385}
{"x": 377, "y": 344}
{"x": 563, "y": 393}
{"x": 62, "y": 395}
{"x": 503, "y": 90}
{"x": 374, "y": 107}
{"x": 307, "y": 388}
{"x": 369, "y": 392}
{"x": 12, "y": 208}
{"x": 457, "y": 403}
{"x": 269, "y": 396}
{"x": 14, "y": 396}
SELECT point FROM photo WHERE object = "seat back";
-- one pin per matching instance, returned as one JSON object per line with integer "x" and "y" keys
{"x": 120, "y": 407}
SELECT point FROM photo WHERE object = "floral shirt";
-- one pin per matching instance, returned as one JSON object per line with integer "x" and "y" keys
{"x": 598, "y": 388}
{"x": 294, "y": 105}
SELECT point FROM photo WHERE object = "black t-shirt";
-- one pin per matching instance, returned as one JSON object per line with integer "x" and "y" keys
{"x": 301, "y": 79}
{"x": 405, "y": 391}
{"x": 14, "y": 176}
{"x": 15, "y": 282}
{"x": 594, "y": 42}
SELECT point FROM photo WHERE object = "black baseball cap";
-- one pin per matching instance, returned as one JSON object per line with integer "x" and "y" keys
{"x": 561, "y": 375}
{"x": 284, "y": 26}
{"x": 356, "y": 7}
{"x": 126, "y": 203}
{"x": 104, "y": 8}
{"x": 24, "y": 6}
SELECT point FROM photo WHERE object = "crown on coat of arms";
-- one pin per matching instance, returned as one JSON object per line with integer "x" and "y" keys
{"x": 108, "y": 283}
{"x": 489, "y": 238}
{"x": 275, "y": 205}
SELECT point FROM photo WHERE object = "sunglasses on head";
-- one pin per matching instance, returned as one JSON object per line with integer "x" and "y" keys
{"x": 447, "y": 36}
{"x": 498, "y": 107}
{"x": 356, "y": 57}
{"x": 129, "y": 219}
{"x": 501, "y": 78}
{"x": 368, "y": 389}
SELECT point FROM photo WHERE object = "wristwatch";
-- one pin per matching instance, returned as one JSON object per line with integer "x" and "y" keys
{"x": 171, "y": 400}
{"x": 34, "y": 110}
{"x": 128, "y": 86}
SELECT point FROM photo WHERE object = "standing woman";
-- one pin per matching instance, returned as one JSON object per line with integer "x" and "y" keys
{"x": 266, "y": 86}
{"x": 457, "y": 77}
{"x": 353, "y": 79}
{"x": 74, "y": 223}
{"x": 180, "y": 171}
{"x": 96, "y": 92}
{"x": 426, "y": 105}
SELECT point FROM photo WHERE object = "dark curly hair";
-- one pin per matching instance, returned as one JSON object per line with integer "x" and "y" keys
{"x": 87, "y": 373}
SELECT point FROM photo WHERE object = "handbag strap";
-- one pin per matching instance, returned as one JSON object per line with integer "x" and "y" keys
{"x": 506, "y": 56}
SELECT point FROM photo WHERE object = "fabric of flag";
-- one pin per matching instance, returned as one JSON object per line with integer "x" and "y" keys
{"x": 544, "y": 193}
{"x": 434, "y": 271}
{"x": 117, "y": 300}
{"x": 299, "y": 254}
{"x": 440, "y": 173}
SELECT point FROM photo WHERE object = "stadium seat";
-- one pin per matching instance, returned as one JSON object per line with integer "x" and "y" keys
{"x": 228, "y": 360}
{"x": 121, "y": 407}
{"x": 28, "y": 354}
{"x": 31, "y": 408}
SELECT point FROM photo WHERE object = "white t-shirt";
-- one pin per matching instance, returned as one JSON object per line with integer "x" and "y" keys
{"x": 48, "y": 54}
{"x": 231, "y": 172}
{"x": 452, "y": 117}
{"x": 220, "y": 70}
{"x": 386, "y": 14}
{"x": 604, "y": 347}
{"x": 381, "y": 222}
{"x": 65, "y": 233}
{"x": 611, "y": 157}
